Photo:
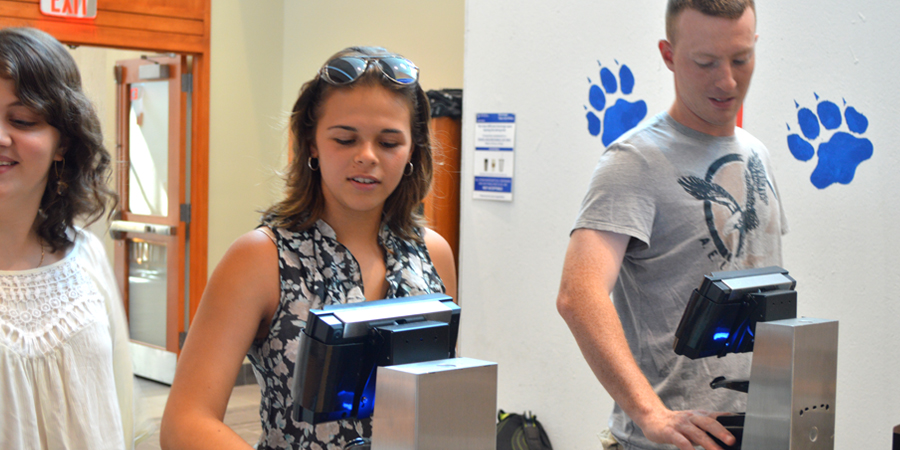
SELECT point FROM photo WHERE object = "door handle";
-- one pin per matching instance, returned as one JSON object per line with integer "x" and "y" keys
{"x": 118, "y": 228}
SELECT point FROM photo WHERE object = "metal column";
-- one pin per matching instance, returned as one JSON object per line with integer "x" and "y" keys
{"x": 791, "y": 402}
{"x": 436, "y": 405}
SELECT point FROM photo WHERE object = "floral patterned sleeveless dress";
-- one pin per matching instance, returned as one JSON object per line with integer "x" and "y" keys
{"x": 316, "y": 270}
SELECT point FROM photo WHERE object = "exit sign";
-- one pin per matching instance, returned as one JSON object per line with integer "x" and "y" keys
{"x": 76, "y": 9}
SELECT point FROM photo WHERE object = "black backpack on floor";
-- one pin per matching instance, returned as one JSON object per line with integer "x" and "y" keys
{"x": 521, "y": 432}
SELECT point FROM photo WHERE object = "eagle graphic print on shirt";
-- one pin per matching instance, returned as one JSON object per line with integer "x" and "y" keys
{"x": 730, "y": 202}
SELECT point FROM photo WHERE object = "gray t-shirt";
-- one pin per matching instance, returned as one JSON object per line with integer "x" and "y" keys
{"x": 692, "y": 204}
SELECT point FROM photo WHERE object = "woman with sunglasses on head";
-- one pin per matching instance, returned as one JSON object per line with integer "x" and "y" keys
{"x": 348, "y": 230}
{"x": 65, "y": 368}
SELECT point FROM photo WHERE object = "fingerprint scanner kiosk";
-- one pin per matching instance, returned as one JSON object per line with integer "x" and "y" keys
{"x": 791, "y": 390}
{"x": 404, "y": 350}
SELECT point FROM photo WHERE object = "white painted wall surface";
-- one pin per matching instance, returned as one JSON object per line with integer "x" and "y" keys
{"x": 842, "y": 248}
{"x": 533, "y": 58}
{"x": 244, "y": 117}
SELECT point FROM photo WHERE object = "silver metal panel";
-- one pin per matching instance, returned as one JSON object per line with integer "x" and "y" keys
{"x": 438, "y": 405}
{"x": 394, "y": 418}
{"x": 153, "y": 363}
{"x": 791, "y": 401}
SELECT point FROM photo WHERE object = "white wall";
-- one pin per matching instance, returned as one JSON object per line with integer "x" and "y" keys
{"x": 533, "y": 58}
{"x": 245, "y": 119}
{"x": 842, "y": 248}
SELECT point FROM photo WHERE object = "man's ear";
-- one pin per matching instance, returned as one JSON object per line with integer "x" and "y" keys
{"x": 667, "y": 53}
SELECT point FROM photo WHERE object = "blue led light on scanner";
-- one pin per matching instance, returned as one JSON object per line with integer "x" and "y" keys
{"x": 720, "y": 336}
{"x": 346, "y": 399}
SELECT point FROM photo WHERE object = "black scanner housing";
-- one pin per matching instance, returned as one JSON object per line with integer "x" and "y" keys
{"x": 722, "y": 313}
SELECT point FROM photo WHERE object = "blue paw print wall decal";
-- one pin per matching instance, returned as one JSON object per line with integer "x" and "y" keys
{"x": 620, "y": 117}
{"x": 839, "y": 157}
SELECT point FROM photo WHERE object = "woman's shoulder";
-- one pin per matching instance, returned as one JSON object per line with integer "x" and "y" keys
{"x": 84, "y": 236}
{"x": 442, "y": 259}
{"x": 433, "y": 240}
{"x": 247, "y": 272}
{"x": 256, "y": 244}
{"x": 252, "y": 252}
{"x": 86, "y": 245}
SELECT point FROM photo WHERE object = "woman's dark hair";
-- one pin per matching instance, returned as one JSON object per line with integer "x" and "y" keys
{"x": 304, "y": 203}
{"x": 47, "y": 81}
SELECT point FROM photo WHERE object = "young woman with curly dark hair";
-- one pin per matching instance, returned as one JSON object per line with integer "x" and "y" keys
{"x": 65, "y": 369}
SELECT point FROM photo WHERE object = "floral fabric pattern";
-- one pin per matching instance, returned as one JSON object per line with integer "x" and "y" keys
{"x": 316, "y": 270}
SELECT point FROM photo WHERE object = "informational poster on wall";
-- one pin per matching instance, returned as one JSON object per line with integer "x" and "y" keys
{"x": 495, "y": 141}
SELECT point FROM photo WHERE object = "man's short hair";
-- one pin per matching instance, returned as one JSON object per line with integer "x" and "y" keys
{"x": 730, "y": 9}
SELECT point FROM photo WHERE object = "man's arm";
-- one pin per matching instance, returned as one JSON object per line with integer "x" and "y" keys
{"x": 590, "y": 271}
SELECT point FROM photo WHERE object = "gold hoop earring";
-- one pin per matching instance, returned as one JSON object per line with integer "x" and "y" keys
{"x": 61, "y": 186}
{"x": 410, "y": 170}
{"x": 309, "y": 163}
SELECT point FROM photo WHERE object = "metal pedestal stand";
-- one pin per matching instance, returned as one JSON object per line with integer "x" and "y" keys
{"x": 436, "y": 405}
{"x": 791, "y": 401}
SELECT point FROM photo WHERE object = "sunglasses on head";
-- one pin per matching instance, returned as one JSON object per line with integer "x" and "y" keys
{"x": 347, "y": 69}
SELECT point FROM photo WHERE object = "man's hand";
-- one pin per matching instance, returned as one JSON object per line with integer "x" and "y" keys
{"x": 684, "y": 429}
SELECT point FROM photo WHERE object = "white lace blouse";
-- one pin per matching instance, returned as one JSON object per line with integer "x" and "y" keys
{"x": 65, "y": 371}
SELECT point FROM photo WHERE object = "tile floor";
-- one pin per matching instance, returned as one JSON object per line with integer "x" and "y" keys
{"x": 242, "y": 414}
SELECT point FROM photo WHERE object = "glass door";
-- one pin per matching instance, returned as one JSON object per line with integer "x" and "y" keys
{"x": 150, "y": 227}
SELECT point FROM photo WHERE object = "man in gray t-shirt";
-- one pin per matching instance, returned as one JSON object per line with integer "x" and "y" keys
{"x": 685, "y": 194}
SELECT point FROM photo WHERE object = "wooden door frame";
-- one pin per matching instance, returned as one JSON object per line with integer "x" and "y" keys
{"x": 177, "y": 26}
{"x": 127, "y": 74}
